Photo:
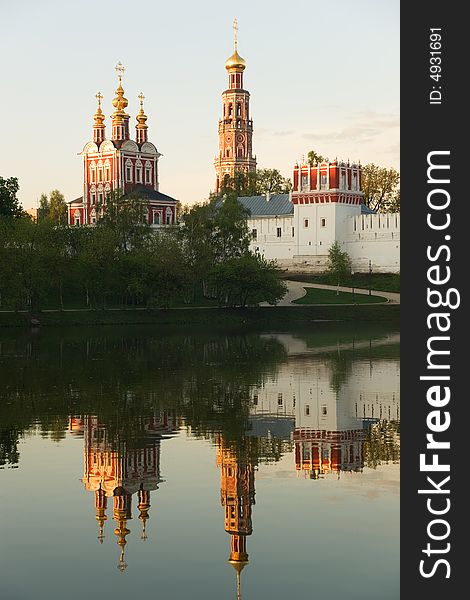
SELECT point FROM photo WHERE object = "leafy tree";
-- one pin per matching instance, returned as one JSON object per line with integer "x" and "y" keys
{"x": 230, "y": 235}
{"x": 53, "y": 208}
{"x": 314, "y": 158}
{"x": 339, "y": 265}
{"x": 98, "y": 264}
{"x": 126, "y": 215}
{"x": 256, "y": 183}
{"x": 381, "y": 188}
{"x": 246, "y": 281}
{"x": 9, "y": 203}
{"x": 43, "y": 210}
{"x": 57, "y": 208}
{"x": 24, "y": 279}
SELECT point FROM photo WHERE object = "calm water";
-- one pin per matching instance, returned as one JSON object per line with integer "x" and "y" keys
{"x": 144, "y": 462}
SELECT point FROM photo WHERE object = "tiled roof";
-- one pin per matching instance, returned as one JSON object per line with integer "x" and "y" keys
{"x": 259, "y": 206}
{"x": 365, "y": 210}
{"x": 148, "y": 194}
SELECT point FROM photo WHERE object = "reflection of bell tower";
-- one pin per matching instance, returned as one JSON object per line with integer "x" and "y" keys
{"x": 237, "y": 495}
{"x": 235, "y": 127}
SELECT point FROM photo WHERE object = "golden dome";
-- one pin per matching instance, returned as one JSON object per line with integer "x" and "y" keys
{"x": 141, "y": 116}
{"x": 235, "y": 62}
{"x": 99, "y": 116}
{"x": 119, "y": 102}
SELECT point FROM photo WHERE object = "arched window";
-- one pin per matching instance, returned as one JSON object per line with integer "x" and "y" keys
{"x": 93, "y": 217}
{"x": 128, "y": 171}
{"x": 76, "y": 218}
{"x": 169, "y": 216}
{"x": 138, "y": 172}
{"x": 157, "y": 217}
{"x": 100, "y": 171}
{"x": 100, "y": 195}
{"x": 92, "y": 172}
{"x": 107, "y": 171}
{"x": 148, "y": 172}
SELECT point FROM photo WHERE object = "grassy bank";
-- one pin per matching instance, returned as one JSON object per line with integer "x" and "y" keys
{"x": 271, "y": 316}
{"x": 319, "y": 296}
{"x": 382, "y": 282}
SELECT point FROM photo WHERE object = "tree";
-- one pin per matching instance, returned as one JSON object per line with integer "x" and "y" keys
{"x": 126, "y": 215}
{"x": 53, "y": 209}
{"x": 314, "y": 158}
{"x": 246, "y": 281}
{"x": 9, "y": 203}
{"x": 256, "y": 183}
{"x": 57, "y": 208}
{"x": 381, "y": 188}
{"x": 212, "y": 233}
{"x": 339, "y": 264}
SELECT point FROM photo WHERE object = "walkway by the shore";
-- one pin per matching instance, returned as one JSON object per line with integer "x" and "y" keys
{"x": 297, "y": 289}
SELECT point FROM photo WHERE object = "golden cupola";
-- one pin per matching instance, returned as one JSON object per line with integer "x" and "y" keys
{"x": 98, "y": 124}
{"x": 235, "y": 62}
{"x": 120, "y": 118}
{"x": 141, "y": 127}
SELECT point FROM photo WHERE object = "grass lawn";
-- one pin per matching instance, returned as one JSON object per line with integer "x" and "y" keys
{"x": 318, "y": 296}
{"x": 385, "y": 282}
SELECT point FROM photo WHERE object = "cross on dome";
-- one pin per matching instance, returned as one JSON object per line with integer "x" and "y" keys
{"x": 120, "y": 70}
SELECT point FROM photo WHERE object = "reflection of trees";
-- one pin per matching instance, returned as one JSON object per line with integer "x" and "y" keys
{"x": 9, "y": 445}
{"x": 123, "y": 377}
{"x": 340, "y": 364}
{"x": 382, "y": 443}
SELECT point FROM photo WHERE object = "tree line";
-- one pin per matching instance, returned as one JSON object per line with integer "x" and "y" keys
{"x": 124, "y": 262}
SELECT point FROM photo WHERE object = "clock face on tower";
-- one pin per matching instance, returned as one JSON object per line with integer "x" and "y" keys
{"x": 240, "y": 138}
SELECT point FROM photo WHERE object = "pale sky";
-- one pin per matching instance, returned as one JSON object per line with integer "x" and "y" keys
{"x": 321, "y": 76}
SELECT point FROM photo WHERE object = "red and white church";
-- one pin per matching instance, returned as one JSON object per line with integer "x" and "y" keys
{"x": 120, "y": 164}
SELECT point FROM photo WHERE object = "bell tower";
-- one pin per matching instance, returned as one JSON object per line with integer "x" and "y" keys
{"x": 235, "y": 126}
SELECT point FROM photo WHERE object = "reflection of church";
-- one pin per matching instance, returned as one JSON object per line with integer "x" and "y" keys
{"x": 237, "y": 495}
{"x": 113, "y": 469}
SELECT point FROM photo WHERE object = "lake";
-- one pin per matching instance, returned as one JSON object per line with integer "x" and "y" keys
{"x": 186, "y": 463}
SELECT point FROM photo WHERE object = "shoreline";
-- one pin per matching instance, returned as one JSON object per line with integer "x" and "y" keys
{"x": 274, "y": 315}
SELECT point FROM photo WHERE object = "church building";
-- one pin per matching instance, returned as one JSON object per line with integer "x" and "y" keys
{"x": 325, "y": 205}
{"x": 122, "y": 165}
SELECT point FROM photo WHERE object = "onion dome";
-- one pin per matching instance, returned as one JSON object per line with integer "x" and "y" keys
{"x": 235, "y": 61}
{"x": 99, "y": 116}
{"x": 119, "y": 101}
{"x": 141, "y": 116}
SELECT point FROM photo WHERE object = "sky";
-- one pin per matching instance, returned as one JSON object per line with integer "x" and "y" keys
{"x": 321, "y": 76}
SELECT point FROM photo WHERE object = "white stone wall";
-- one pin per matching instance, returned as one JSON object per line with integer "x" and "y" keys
{"x": 374, "y": 238}
{"x": 306, "y": 236}
{"x": 302, "y": 389}
{"x": 267, "y": 242}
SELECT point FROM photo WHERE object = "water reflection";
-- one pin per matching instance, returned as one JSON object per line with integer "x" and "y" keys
{"x": 237, "y": 495}
{"x": 113, "y": 469}
{"x": 330, "y": 405}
